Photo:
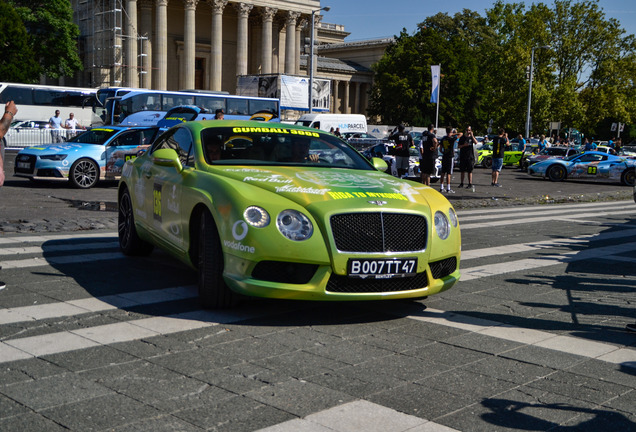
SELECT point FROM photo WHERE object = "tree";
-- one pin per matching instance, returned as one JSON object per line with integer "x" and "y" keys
{"x": 17, "y": 63}
{"x": 584, "y": 69}
{"x": 52, "y": 35}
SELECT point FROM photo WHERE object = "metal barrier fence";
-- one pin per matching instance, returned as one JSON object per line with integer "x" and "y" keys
{"x": 28, "y": 137}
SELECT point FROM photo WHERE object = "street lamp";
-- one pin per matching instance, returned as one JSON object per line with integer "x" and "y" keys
{"x": 530, "y": 87}
{"x": 311, "y": 57}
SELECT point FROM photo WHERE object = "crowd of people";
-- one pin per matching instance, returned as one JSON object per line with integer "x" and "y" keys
{"x": 431, "y": 147}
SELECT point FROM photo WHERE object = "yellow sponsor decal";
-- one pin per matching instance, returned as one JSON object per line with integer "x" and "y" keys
{"x": 38, "y": 148}
{"x": 274, "y": 130}
{"x": 156, "y": 202}
{"x": 102, "y": 129}
{"x": 384, "y": 195}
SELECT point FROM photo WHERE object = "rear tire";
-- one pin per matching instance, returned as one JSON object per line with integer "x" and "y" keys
{"x": 213, "y": 291}
{"x": 629, "y": 177}
{"x": 129, "y": 241}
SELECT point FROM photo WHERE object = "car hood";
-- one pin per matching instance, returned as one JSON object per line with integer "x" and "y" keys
{"x": 62, "y": 148}
{"x": 331, "y": 187}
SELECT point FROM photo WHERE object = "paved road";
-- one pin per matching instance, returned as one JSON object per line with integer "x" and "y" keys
{"x": 530, "y": 339}
{"x": 42, "y": 207}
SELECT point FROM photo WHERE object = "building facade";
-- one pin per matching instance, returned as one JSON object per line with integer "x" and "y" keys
{"x": 207, "y": 44}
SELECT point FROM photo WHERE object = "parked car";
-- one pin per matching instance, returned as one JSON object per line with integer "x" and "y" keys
{"x": 589, "y": 165}
{"x": 269, "y": 217}
{"x": 97, "y": 154}
{"x": 512, "y": 155}
{"x": 556, "y": 152}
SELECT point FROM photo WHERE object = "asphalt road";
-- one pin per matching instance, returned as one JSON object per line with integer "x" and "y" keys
{"x": 39, "y": 207}
{"x": 531, "y": 338}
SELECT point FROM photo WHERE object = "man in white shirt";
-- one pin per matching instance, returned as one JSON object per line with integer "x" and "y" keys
{"x": 72, "y": 124}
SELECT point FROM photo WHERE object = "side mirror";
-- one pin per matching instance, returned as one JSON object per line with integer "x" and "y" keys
{"x": 379, "y": 164}
{"x": 167, "y": 158}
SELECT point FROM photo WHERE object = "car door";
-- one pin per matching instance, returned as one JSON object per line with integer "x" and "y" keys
{"x": 586, "y": 166}
{"x": 118, "y": 150}
{"x": 163, "y": 187}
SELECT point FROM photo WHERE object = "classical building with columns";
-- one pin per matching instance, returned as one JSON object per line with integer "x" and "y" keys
{"x": 207, "y": 44}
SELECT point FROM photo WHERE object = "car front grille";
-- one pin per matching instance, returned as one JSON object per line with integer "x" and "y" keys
{"x": 30, "y": 159}
{"x": 344, "y": 284}
{"x": 443, "y": 268}
{"x": 379, "y": 232}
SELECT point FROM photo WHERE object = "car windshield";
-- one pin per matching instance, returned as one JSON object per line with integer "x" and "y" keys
{"x": 569, "y": 158}
{"x": 94, "y": 136}
{"x": 276, "y": 146}
{"x": 554, "y": 151}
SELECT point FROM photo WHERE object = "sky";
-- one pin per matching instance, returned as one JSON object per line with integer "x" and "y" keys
{"x": 371, "y": 19}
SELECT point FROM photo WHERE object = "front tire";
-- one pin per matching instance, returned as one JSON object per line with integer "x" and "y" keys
{"x": 129, "y": 241}
{"x": 487, "y": 162}
{"x": 213, "y": 291}
{"x": 84, "y": 174}
{"x": 629, "y": 177}
{"x": 556, "y": 173}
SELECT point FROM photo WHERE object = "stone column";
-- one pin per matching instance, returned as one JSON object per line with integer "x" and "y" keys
{"x": 346, "y": 108}
{"x": 302, "y": 25}
{"x": 132, "y": 79}
{"x": 161, "y": 59}
{"x": 145, "y": 29}
{"x": 243, "y": 10}
{"x": 334, "y": 105}
{"x": 267, "y": 14}
{"x": 290, "y": 42}
{"x": 189, "y": 44}
{"x": 356, "y": 99}
{"x": 216, "y": 55}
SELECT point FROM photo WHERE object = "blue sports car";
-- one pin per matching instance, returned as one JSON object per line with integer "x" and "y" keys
{"x": 97, "y": 154}
{"x": 590, "y": 165}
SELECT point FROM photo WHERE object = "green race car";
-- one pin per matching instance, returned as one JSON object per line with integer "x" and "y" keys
{"x": 285, "y": 212}
{"x": 512, "y": 155}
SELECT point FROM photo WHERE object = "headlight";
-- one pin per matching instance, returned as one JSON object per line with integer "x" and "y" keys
{"x": 294, "y": 225}
{"x": 453, "y": 217}
{"x": 441, "y": 225}
{"x": 256, "y": 216}
{"x": 55, "y": 157}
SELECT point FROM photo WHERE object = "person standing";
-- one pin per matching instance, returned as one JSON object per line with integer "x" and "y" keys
{"x": 55, "y": 123}
{"x": 447, "y": 148}
{"x": 428, "y": 154}
{"x": 10, "y": 110}
{"x": 542, "y": 143}
{"x": 219, "y": 114}
{"x": 403, "y": 142}
{"x": 466, "y": 147}
{"x": 499, "y": 144}
{"x": 72, "y": 125}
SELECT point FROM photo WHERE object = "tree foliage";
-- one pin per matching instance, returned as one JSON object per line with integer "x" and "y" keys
{"x": 16, "y": 63}
{"x": 584, "y": 69}
{"x": 52, "y": 35}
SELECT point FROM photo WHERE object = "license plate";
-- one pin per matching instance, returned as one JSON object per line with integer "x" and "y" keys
{"x": 382, "y": 268}
{"x": 24, "y": 165}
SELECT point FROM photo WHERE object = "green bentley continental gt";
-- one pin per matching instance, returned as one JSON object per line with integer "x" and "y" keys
{"x": 287, "y": 212}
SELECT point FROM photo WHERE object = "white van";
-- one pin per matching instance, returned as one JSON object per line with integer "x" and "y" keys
{"x": 346, "y": 122}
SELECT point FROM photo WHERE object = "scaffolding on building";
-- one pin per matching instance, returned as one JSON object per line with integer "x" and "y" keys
{"x": 102, "y": 33}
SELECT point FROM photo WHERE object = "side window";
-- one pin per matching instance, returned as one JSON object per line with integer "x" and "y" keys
{"x": 128, "y": 139}
{"x": 180, "y": 141}
{"x": 237, "y": 106}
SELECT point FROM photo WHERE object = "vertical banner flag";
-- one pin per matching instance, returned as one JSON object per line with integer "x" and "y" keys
{"x": 435, "y": 87}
